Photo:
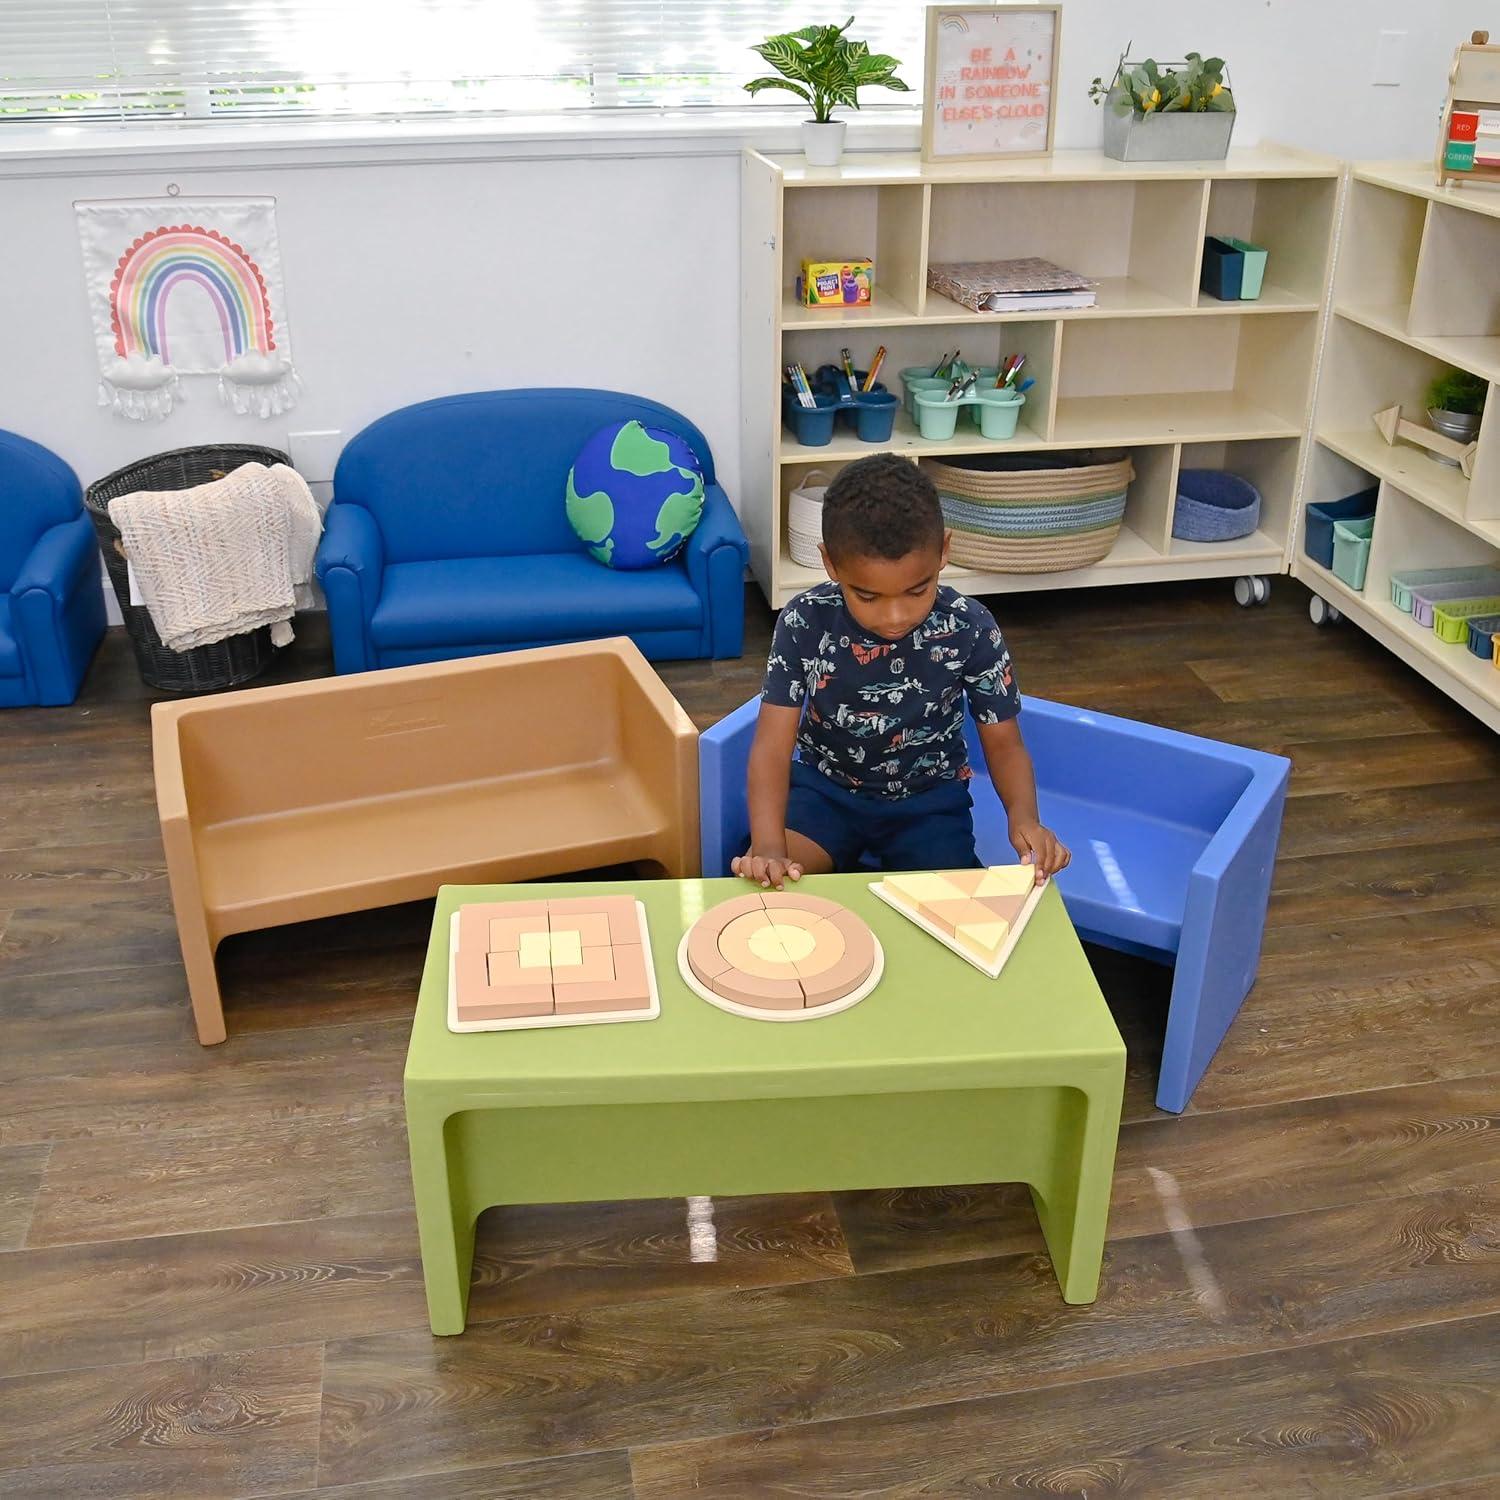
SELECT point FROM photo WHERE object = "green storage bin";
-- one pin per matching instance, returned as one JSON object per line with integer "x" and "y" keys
{"x": 1351, "y": 550}
{"x": 1450, "y": 622}
{"x": 1254, "y": 273}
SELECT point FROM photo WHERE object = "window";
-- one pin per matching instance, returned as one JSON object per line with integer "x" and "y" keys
{"x": 210, "y": 59}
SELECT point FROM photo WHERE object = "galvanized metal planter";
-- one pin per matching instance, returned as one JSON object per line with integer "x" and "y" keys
{"x": 1179, "y": 136}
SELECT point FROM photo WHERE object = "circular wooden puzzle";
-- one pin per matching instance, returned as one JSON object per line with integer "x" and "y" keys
{"x": 781, "y": 956}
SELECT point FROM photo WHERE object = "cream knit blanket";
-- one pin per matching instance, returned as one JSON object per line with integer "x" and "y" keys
{"x": 223, "y": 558}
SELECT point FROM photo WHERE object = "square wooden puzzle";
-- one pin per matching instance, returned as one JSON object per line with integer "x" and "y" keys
{"x": 979, "y": 914}
{"x": 518, "y": 965}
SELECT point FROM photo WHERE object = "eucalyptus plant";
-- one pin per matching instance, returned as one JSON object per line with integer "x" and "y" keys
{"x": 822, "y": 66}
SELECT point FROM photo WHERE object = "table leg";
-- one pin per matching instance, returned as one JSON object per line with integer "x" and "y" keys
{"x": 445, "y": 1221}
{"x": 1073, "y": 1205}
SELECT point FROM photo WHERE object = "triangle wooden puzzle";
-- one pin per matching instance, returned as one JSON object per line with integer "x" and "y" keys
{"x": 979, "y": 914}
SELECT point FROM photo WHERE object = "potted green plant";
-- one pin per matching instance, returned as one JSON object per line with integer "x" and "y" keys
{"x": 1455, "y": 403}
{"x": 1156, "y": 112}
{"x": 821, "y": 65}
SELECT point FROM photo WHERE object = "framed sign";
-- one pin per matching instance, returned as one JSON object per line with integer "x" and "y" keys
{"x": 990, "y": 72}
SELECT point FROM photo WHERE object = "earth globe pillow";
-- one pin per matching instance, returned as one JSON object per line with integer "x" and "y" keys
{"x": 634, "y": 495}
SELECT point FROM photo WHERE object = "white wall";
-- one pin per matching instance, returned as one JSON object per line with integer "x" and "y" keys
{"x": 409, "y": 279}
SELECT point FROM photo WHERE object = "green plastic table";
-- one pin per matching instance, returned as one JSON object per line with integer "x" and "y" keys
{"x": 941, "y": 1076}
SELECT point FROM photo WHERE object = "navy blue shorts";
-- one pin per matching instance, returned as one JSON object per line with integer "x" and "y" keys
{"x": 933, "y": 830}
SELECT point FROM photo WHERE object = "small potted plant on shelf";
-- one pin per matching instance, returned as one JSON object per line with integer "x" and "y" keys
{"x": 1156, "y": 112}
{"x": 1455, "y": 402}
{"x": 821, "y": 65}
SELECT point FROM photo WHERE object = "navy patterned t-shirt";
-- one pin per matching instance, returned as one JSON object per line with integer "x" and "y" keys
{"x": 886, "y": 718}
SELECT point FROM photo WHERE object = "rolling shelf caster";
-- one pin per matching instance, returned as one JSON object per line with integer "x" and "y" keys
{"x": 1253, "y": 589}
{"x": 1321, "y": 612}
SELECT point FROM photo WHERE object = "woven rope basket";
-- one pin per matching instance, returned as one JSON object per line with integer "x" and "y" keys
{"x": 1046, "y": 513}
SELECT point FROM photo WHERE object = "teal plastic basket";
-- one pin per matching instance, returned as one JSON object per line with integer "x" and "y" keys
{"x": 1351, "y": 550}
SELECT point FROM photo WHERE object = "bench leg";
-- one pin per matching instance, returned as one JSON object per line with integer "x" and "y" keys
{"x": 1073, "y": 1206}
{"x": 445, "y": 1223}
{"x": 203, "y": 982}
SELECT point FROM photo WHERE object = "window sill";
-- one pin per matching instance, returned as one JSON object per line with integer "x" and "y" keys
{"x": 51, "y": 150}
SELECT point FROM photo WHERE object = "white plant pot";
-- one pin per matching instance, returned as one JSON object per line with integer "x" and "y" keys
{"x": 823, "y": 144}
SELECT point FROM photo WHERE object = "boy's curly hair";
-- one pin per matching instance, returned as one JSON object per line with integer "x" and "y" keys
{"x": 881, "y": 506}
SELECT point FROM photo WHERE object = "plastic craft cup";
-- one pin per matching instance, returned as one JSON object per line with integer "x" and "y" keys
{"x": 999, "y": 410}
{"x": 937, "y": 417}
{"x": 812, "y": 425}
{"x": 915, "y": 385}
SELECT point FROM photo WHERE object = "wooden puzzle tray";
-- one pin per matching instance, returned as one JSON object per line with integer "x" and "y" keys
{"x": 979, "y": 914}
{"x": 780, "y": 956}
{"x": 523, "y": 965}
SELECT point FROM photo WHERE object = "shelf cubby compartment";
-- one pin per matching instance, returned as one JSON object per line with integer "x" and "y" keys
{"x": 1270, "y": 464}
{"x": 1139, "y": 240}
{"x": 1379, "y": 245}
{"x": 1455, "y": 305}
{"x": 1150, "y": 380}
{"x": 1290, "y": 218}
{"x": 886, "y": 224}
{"x": 983, "y": 345}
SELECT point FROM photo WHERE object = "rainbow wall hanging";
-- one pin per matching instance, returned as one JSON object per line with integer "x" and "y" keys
{"x": 187, "y": 286}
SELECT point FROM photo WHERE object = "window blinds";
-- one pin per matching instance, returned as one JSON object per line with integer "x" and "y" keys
{"x": 228, "y": 59}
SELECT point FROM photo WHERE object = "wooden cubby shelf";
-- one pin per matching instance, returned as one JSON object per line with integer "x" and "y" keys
{"x": 1416, "y": 288}
{"x": 1156, "y": 367}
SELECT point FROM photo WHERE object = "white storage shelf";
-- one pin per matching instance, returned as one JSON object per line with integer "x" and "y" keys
{"x": 1172, "y": 374}
{"x": 1417, "y": 287}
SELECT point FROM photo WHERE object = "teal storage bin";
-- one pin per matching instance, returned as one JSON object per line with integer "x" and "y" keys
{"x": 1253, "y": 270}
{"x": 1351, "y": 550}
{"x": 937, "y": 417}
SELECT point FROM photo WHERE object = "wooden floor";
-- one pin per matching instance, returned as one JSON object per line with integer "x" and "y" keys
{"x": 210, "y": 1283}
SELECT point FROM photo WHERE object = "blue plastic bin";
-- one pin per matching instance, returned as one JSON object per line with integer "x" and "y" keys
{"x": 1321, "y": 516}
{"x": 1223, "y": 270}
{"x": 1482, "y": 633}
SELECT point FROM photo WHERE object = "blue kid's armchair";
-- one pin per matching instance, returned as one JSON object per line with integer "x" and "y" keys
{"x": 448, "y": 537}
{"x": 1173, "y": 838}
{"x": 51, "y": 585}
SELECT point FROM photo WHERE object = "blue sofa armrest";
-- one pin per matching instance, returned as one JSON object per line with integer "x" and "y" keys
{"x": 724, "y": 808}
{"x": 57, "y": 609}
{"x": 59, "y": 559}
{"x": 716, "y": 556}
{"x": 350, "y": 562}
{"x": 1223, "y": 925}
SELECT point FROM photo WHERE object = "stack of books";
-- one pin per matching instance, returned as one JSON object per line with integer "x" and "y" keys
{"x": 1029, "y": 285}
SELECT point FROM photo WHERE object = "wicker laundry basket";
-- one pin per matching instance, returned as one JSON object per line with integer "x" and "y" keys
{"x": 1032, "y": 513}
{"x": 203, "y": 669}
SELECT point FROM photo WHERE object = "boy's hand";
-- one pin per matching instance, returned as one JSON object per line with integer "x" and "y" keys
{"x": 768, "y": 870}
{"x": 1038, "y": 846}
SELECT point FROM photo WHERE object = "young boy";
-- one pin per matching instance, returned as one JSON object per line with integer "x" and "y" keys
{"x": 866, "y": 680}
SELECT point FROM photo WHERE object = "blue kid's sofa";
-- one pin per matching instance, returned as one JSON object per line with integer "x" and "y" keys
{"x": 1173, "y": 840}
{"x": 448, "y": 537}
{"x": 51, "y": 585}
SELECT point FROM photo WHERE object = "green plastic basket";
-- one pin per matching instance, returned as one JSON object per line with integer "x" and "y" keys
{"x": 1450, "y": 622}
{"x": 1351, "y": 550}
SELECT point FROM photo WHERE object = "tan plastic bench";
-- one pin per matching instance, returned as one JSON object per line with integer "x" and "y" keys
{"x": 282, "y": 804}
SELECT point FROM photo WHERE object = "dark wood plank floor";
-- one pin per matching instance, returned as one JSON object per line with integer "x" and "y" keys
{"x": 209, "y": 1279}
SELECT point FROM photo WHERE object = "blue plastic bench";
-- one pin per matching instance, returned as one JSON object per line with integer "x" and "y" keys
{"x": 1173, "y": 839}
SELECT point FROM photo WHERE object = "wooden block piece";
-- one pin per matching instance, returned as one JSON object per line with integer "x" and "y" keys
{"x": 983, "y": 939}
{"x": 535, "y": 951}
{"x": 594, "y": 966}
{"x": 794, "y": 900}
{"x": 1006, "y": 908}
{"x": 619, "y": 911}
{"x": 765, "y": 994}
{"x": 533, "y": 1001}
{"x": 566, "y": 950}
{"x": 1005, "y": 880}
{"x": 784, "y": 939}
{"x": 592, "y": 928}
{"x": 845, "y": 976}
{"x": 595, "y": 999}
{"x": 704, "y": 956}
{"x": 922, "y": 889}
{"x": 951, "y": 915}
{"x": 632, "y": 975}
{"x": 505, "y": 933}
{"x": 791, "y": 916}
{"x": 828, "y": 949}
